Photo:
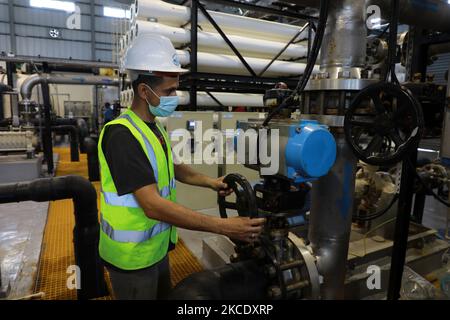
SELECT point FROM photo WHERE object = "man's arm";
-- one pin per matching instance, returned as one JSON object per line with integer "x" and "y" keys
{"x": 186, "y": 174}
{"x": 161, "y": 209}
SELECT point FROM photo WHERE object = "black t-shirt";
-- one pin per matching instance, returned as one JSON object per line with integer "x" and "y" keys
{"x": 129, "y": 166}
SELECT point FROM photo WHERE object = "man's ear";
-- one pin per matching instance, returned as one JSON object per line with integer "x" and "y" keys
{"x": 142, "y": 91}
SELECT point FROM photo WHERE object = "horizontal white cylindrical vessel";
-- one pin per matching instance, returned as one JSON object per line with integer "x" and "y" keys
{"x": 208, "y": 40}
{"x": 177, "y": 15}
{"x": 203, "y": 99}
{"x": 226, "y": 98}
{"x": 227, "y": 64}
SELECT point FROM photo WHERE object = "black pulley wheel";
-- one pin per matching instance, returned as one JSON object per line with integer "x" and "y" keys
{"x": 245, "y": 204}
{"x": 383, "y": 124}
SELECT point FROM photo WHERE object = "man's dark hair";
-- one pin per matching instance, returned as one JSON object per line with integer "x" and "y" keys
{"x": 151, "y": 81}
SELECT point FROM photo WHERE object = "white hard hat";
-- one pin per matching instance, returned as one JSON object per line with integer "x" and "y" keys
{"x": 152, "y": 53}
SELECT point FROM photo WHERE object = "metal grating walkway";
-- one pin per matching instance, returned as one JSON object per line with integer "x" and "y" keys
{"x": 57, "y": 248}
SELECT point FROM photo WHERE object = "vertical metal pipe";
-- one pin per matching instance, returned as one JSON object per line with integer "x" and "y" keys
{"x": 194, "y": 50}
{"x": 344, "y": 43}
{"x": 10, "y": 69}
{"x": 402, "y": 228}
{"x": 47, "y": 135}
{"x": 419, "y": 206}
{"x": 92, "y": 13}
{"x": 331, "y": 219}
{"x": 12, "y": 27}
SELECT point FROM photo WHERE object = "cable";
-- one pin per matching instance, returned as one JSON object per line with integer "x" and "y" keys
{"x": 392, "y": 51}
{"x": 323, "y": 17}
{"x": 428, "y": 189}
{"x": 379, "y": 213}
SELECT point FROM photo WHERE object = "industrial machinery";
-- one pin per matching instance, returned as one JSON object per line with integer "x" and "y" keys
{"x": 27, "y": 124}
{"x": 353, "y": 109}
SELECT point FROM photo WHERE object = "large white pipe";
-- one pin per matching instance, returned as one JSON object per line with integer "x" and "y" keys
{"x": 203, "y": 99}
{"x": 176, "y": 15}
{"x": 228, "y": 64}
{"x": 207, "y": 41}
{"x": 226, "y": 98}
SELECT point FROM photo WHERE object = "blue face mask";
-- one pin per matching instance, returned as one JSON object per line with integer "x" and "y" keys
{"x": 166, "y": 107}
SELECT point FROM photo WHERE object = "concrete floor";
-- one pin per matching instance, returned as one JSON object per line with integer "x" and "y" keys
{"x": 21, "y": 231}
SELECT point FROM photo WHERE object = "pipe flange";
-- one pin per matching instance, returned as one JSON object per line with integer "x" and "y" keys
{"x": 310, "y": 262}
{"x": 339, "y": 84}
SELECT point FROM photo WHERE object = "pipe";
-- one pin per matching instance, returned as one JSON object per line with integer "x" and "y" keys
{"x": 331, "y": 219}
{"x": 81, "y": 79}
{"x": 226, "y": 98}
{"x": 177, "y": 15}
{"x": 92, "y": 159}
{"x": 83, "y": 132}
{"x": 47, "y": 143}
{"x": 86, "y": 231}
{"x": 204, "y": 100}
{"x": 230, "y": 64}
{"x": 428, "y": 14}
{"x": 235, "y": 281}
{"x": 10, "y": 69}
{"x": 208, "y": 41}
{"x": 344, "y": 43}
{"x": 73, "y": 137}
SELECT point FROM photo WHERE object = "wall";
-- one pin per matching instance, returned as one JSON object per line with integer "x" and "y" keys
{"x": 93, "y": 41}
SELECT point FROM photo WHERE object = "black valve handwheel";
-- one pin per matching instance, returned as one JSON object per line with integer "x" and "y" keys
{"x": 245, "y": 204}
{"x": 383, "y": 123}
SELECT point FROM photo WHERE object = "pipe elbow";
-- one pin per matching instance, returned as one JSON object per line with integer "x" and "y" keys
{"x": 90, "y": 145}
{"x": 27, "y": 86}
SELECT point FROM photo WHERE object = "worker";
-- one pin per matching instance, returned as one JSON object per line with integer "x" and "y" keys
{"x": 139, "y": 213}
{"x": 108, "y": 113}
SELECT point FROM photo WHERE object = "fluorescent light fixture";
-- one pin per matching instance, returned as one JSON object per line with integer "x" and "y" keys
{"x": 116, "y": 13}
{"x": 53, "y": 4}
{"x": 427, "y": 150}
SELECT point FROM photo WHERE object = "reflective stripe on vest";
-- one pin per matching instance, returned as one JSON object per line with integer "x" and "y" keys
{"x": 129, "y": 200}
{"x": 132, "y": 236}
{"x": 148, "y": 146}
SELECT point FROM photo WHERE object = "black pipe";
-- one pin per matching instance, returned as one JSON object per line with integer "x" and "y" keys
{"x": 5, "y": 122}
{"x": 235, "y": 281}
{"x": 193, "y": 54}
{"x": 83, "y": 132}
{"x": 86, "y": 231}
{"x": 47, "y": 134}
{"x": 73, "y": 137}
{"x": 10, "y": 69}
{"x": 402, "y": 226}
{"x": 92, "y": 159}
{"x": 419, "y": 206}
